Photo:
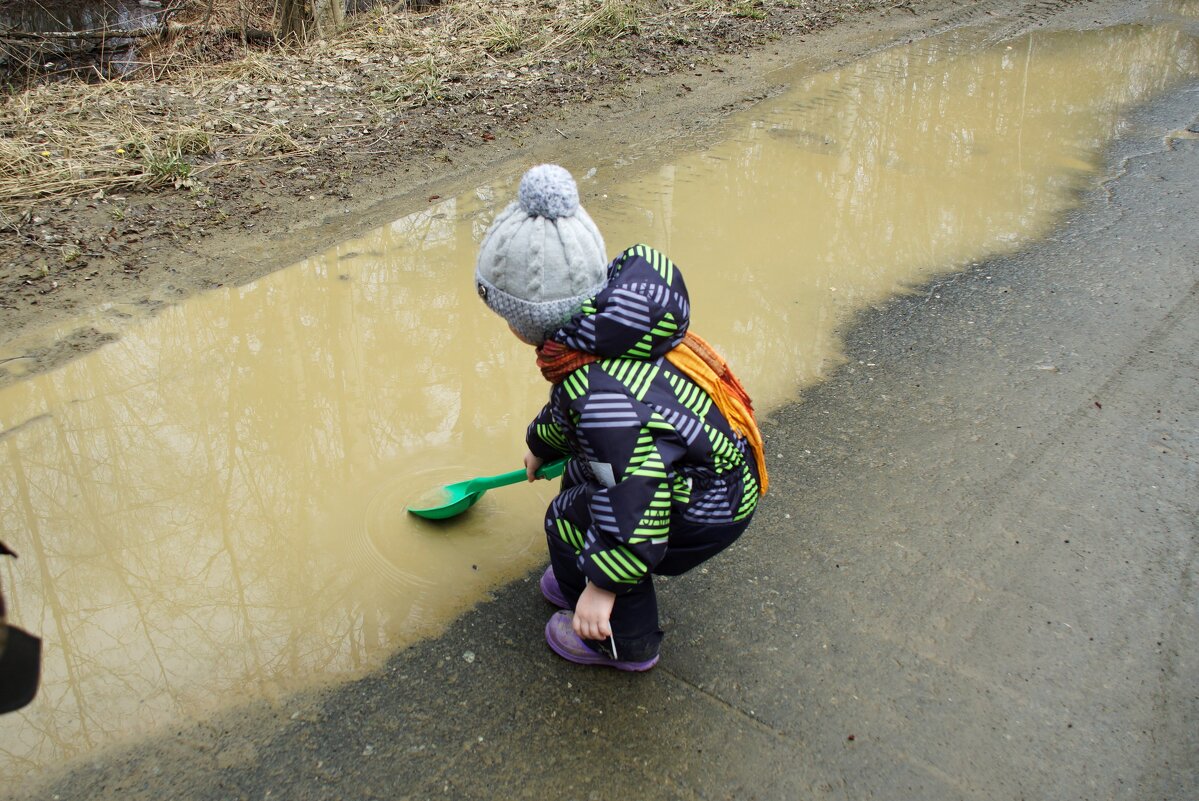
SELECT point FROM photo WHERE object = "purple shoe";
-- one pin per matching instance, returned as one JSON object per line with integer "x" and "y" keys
{"x": 568, "y": 645}
{"x": 551, "y": 590}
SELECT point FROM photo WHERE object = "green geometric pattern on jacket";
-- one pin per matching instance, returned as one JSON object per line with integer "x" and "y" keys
{"x": 650, "y": 446}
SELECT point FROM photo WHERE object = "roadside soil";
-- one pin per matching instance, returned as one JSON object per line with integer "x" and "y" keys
{"x": 77, "y": 268}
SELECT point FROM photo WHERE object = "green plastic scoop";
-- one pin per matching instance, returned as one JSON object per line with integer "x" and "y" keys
{"x": 454, "y": 499}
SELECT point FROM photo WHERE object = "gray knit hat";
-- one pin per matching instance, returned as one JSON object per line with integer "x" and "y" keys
{"x": 542, "y": 256}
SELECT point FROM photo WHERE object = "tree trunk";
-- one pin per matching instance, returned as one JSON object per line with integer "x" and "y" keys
{"x": 293, "y": 20}
{"x": 328, "y": 15}
{"x": 299, "y": 19}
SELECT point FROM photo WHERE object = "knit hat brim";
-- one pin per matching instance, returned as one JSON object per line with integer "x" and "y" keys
{"x": 534, "y": 321}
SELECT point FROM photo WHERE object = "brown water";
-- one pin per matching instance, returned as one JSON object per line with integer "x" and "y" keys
{"x": 212, "y": 508}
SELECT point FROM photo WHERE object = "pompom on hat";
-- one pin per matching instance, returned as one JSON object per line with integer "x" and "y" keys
{"x": 542, "y": 257}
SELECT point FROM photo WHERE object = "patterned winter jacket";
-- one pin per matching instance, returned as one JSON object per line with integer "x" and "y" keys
{"x": 649, "y": 446}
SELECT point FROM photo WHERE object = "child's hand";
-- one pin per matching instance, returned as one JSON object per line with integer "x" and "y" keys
{"x": 532, "y": 465}
{"x": 592, "y": 613}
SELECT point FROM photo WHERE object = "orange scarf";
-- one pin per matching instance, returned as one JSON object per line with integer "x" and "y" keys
{"x": 700, "y": 362}
{"x": 557, "y": 361}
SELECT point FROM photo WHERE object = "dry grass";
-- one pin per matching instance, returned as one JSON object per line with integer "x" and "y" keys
{"x": 612, "y": 19}
{"x": 501, "y": 35}
{"x": 182, "y": 117}
{"x": 66, "y": 141}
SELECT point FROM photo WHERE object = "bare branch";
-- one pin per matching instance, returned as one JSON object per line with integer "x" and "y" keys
{"x": 159, "y": 31}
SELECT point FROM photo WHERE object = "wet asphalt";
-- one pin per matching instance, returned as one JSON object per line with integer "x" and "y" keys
{"x": 974, "y": 577}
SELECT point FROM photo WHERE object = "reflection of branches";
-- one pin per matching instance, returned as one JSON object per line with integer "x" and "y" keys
{"x": 49, "y": 590}
{"x": 428, "y": 228}
{"x": 200, "y": 455}
{"x": 96, "y": 516}
{"x": 233, "y": 407}
{"x": 191, "y": 460}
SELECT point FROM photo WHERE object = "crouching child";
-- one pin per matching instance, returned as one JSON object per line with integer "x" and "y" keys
{"x": 666, "y": 463}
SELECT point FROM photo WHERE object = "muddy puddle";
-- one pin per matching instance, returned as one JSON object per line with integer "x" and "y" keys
{"x": 212, "y": 508}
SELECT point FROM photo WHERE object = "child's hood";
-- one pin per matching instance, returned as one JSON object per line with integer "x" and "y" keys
{"x": 641, "y": 313}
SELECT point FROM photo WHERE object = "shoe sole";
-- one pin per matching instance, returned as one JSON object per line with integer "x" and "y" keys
{"x": 552, "y": 593}
{"x": 592, "y": 657}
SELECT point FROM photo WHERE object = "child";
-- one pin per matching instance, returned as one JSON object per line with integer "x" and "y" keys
{"x": 666, "y": 464}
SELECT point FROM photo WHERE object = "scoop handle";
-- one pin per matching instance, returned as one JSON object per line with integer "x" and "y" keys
{"x": 553, "y": 469}
{"x": 548, "y": 470}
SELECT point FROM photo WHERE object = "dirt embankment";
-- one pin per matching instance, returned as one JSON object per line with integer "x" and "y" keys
{"x": 277, "y": 155}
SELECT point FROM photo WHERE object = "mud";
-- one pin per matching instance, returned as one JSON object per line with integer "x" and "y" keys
{"x": 974, "y": 580}
{"x": 381, "y": 500}
{"x": 157, "y": 249}
{"x": 158, "y": 477}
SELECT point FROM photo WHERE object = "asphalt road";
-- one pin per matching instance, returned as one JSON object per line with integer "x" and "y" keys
{"x": 974, "y": 577}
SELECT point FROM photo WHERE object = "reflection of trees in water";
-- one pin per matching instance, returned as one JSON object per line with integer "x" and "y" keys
{"x": 890, "y": 169}
{"x": 57, "y": 622}
{"x": 175, "y": 501}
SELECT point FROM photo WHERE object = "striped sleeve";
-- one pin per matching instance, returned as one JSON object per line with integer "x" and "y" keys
{"x": 545, "y": 437}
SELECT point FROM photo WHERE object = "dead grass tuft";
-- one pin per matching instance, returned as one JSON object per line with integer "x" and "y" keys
{"x": 502, "y": 35}
{"x": 611, "y": 19}
{"x": 185, "y": 117}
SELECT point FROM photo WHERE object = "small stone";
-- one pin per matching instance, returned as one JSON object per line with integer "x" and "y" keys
{"x": 468, "y": 657}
